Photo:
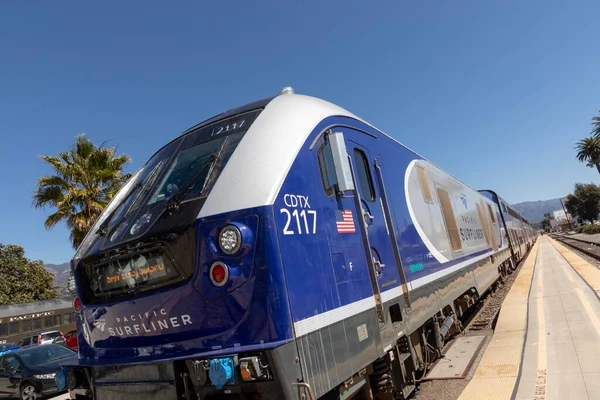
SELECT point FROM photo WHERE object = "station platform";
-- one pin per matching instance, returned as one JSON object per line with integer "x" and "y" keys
{"x": 546, "y": 344}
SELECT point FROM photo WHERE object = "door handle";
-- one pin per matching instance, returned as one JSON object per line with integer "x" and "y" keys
{"x": 367, "y": 215}
{"x": 378, "y": 266}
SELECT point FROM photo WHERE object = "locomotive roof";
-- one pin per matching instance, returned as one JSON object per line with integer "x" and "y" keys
{"x": 256, "y": 170}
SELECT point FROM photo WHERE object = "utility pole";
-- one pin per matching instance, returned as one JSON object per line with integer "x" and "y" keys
{"x": 566, "y": 214}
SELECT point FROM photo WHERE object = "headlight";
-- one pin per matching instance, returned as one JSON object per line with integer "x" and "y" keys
{"x": 230, "y": 239}
{"x": 140, "y": 223}
{"x": 44, "y": 376}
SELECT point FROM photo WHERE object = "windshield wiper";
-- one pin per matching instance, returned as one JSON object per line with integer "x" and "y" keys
{"x": 178, "y": 196}
{"x": 148, "y": 182}
{"x": 102, "y": 229}
{"x": 213, "y": 160}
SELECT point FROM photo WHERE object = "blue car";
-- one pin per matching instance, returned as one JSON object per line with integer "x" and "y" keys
{"x": 7, "y": 348}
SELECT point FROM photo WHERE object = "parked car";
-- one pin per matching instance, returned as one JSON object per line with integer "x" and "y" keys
{"x": 71, "y": 340}
{"x": 42, "y": 338}
{"x": 28, "y": 373}
{"x": 6, "y": 348}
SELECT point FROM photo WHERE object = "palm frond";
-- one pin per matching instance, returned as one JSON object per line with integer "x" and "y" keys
{"x": 85, "y": 179}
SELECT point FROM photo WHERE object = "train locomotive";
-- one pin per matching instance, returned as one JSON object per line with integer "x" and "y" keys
{"x": 282, "y": 249}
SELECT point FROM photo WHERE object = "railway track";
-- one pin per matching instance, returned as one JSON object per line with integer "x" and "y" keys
{"x": 586, "y": 247}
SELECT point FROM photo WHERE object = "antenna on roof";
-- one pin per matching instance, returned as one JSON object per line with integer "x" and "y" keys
{"x": 287, "y": 90}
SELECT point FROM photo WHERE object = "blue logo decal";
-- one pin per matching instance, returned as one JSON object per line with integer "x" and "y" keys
{"x": 463, "y": 198}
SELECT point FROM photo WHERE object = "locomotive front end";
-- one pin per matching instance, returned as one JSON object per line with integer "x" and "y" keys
{"x": 171, "y": 303}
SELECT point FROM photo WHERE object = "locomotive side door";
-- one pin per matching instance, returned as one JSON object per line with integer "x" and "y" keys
{"x": 374, "y": 221}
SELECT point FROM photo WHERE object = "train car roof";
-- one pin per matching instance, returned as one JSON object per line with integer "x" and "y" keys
{"x": 12, "y": 310}
{"x": 508, "y": 206}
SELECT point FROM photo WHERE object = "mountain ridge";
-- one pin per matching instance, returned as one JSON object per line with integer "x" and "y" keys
{"x": 534, "y": 211}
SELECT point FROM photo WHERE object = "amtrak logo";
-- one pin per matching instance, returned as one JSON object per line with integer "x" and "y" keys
{"x": 100, "y": 324}
{"x": 463, "y": 198}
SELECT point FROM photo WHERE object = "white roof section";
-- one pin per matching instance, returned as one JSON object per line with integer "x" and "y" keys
{"x": 257, "y": 168}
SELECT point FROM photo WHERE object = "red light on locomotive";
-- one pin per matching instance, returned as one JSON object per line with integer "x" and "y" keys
{"x": 77, "y": 304}
{"x": 218, "y": 274}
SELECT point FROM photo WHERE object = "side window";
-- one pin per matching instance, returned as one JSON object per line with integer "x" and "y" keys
{"x": 367, "y": 192}
{"x": 424, "y": 184}
{"x": 492, "y": 215}
{"x": 449, "y": 219}
{"x": 13, "y": 328}
{"x": 11, "y": 363}
{"x": 326, "y": 168}
{"x": 3, "y": 330}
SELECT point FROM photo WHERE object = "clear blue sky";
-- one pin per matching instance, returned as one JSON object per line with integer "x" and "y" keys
{"x": 495, "y": 92}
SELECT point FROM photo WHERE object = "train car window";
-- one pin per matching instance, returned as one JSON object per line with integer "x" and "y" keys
{"x": 13, "y": 328}
{"x": 327, "y": 169}
{"x": 484, "y": 223}
{"x": 367, "y": 191}
{"x": 37, "y": 323}
{"x": 56, "y": 320}
{"x": 449, "y": 219}
{"x": 48, "y": 321}
{"x": 3, "y": 330}
{"x": 424, "y": 184}
{"x": 492, "y": 216}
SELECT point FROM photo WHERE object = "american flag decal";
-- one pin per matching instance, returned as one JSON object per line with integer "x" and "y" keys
{"x": 344, "y": 221}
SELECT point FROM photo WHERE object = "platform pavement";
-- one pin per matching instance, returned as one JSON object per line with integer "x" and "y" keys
{"x": 560, "y": 355}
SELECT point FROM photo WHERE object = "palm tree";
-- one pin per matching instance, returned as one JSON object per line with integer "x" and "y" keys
{"x": 588, "y": 150}
{"x": 596, "y": 125}
{"x": 85, "y": 179}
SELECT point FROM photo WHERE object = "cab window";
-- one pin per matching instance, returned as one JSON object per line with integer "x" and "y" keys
{"x": 367, "y": 192}
{"x": 326, "y": 168}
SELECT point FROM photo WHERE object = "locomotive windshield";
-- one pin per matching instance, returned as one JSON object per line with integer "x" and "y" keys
{"x": 182, "y": 171}
{"x": 161, "y": 199}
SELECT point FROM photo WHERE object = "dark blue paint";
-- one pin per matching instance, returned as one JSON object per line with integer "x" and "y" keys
{"x": 313, "y": 263}
{"x": 250, "y": 313}
{"x": 275, "y": 278}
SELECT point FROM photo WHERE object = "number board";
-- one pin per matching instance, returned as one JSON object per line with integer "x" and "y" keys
{"x": 237, "y": 124}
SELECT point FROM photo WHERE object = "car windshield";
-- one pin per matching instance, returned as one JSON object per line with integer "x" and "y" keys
{"x": 44, "y": 354}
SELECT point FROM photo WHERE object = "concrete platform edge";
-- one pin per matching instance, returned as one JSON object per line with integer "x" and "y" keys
{"x": 588, "y": 273}
{"x": 498, "y": 381}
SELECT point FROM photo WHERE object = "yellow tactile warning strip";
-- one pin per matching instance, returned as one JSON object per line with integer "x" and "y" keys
{"x": 587, "y": 271}
{"x": 497, "y": 372}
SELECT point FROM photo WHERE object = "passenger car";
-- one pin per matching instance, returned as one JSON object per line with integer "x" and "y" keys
{"x": 71, "y": 339}
{"x": 42, "y": 338}
{"x": 29, "y": 372}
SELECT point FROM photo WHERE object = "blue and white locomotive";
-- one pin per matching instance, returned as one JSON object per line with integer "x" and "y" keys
{"x": 283, "y": 249}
